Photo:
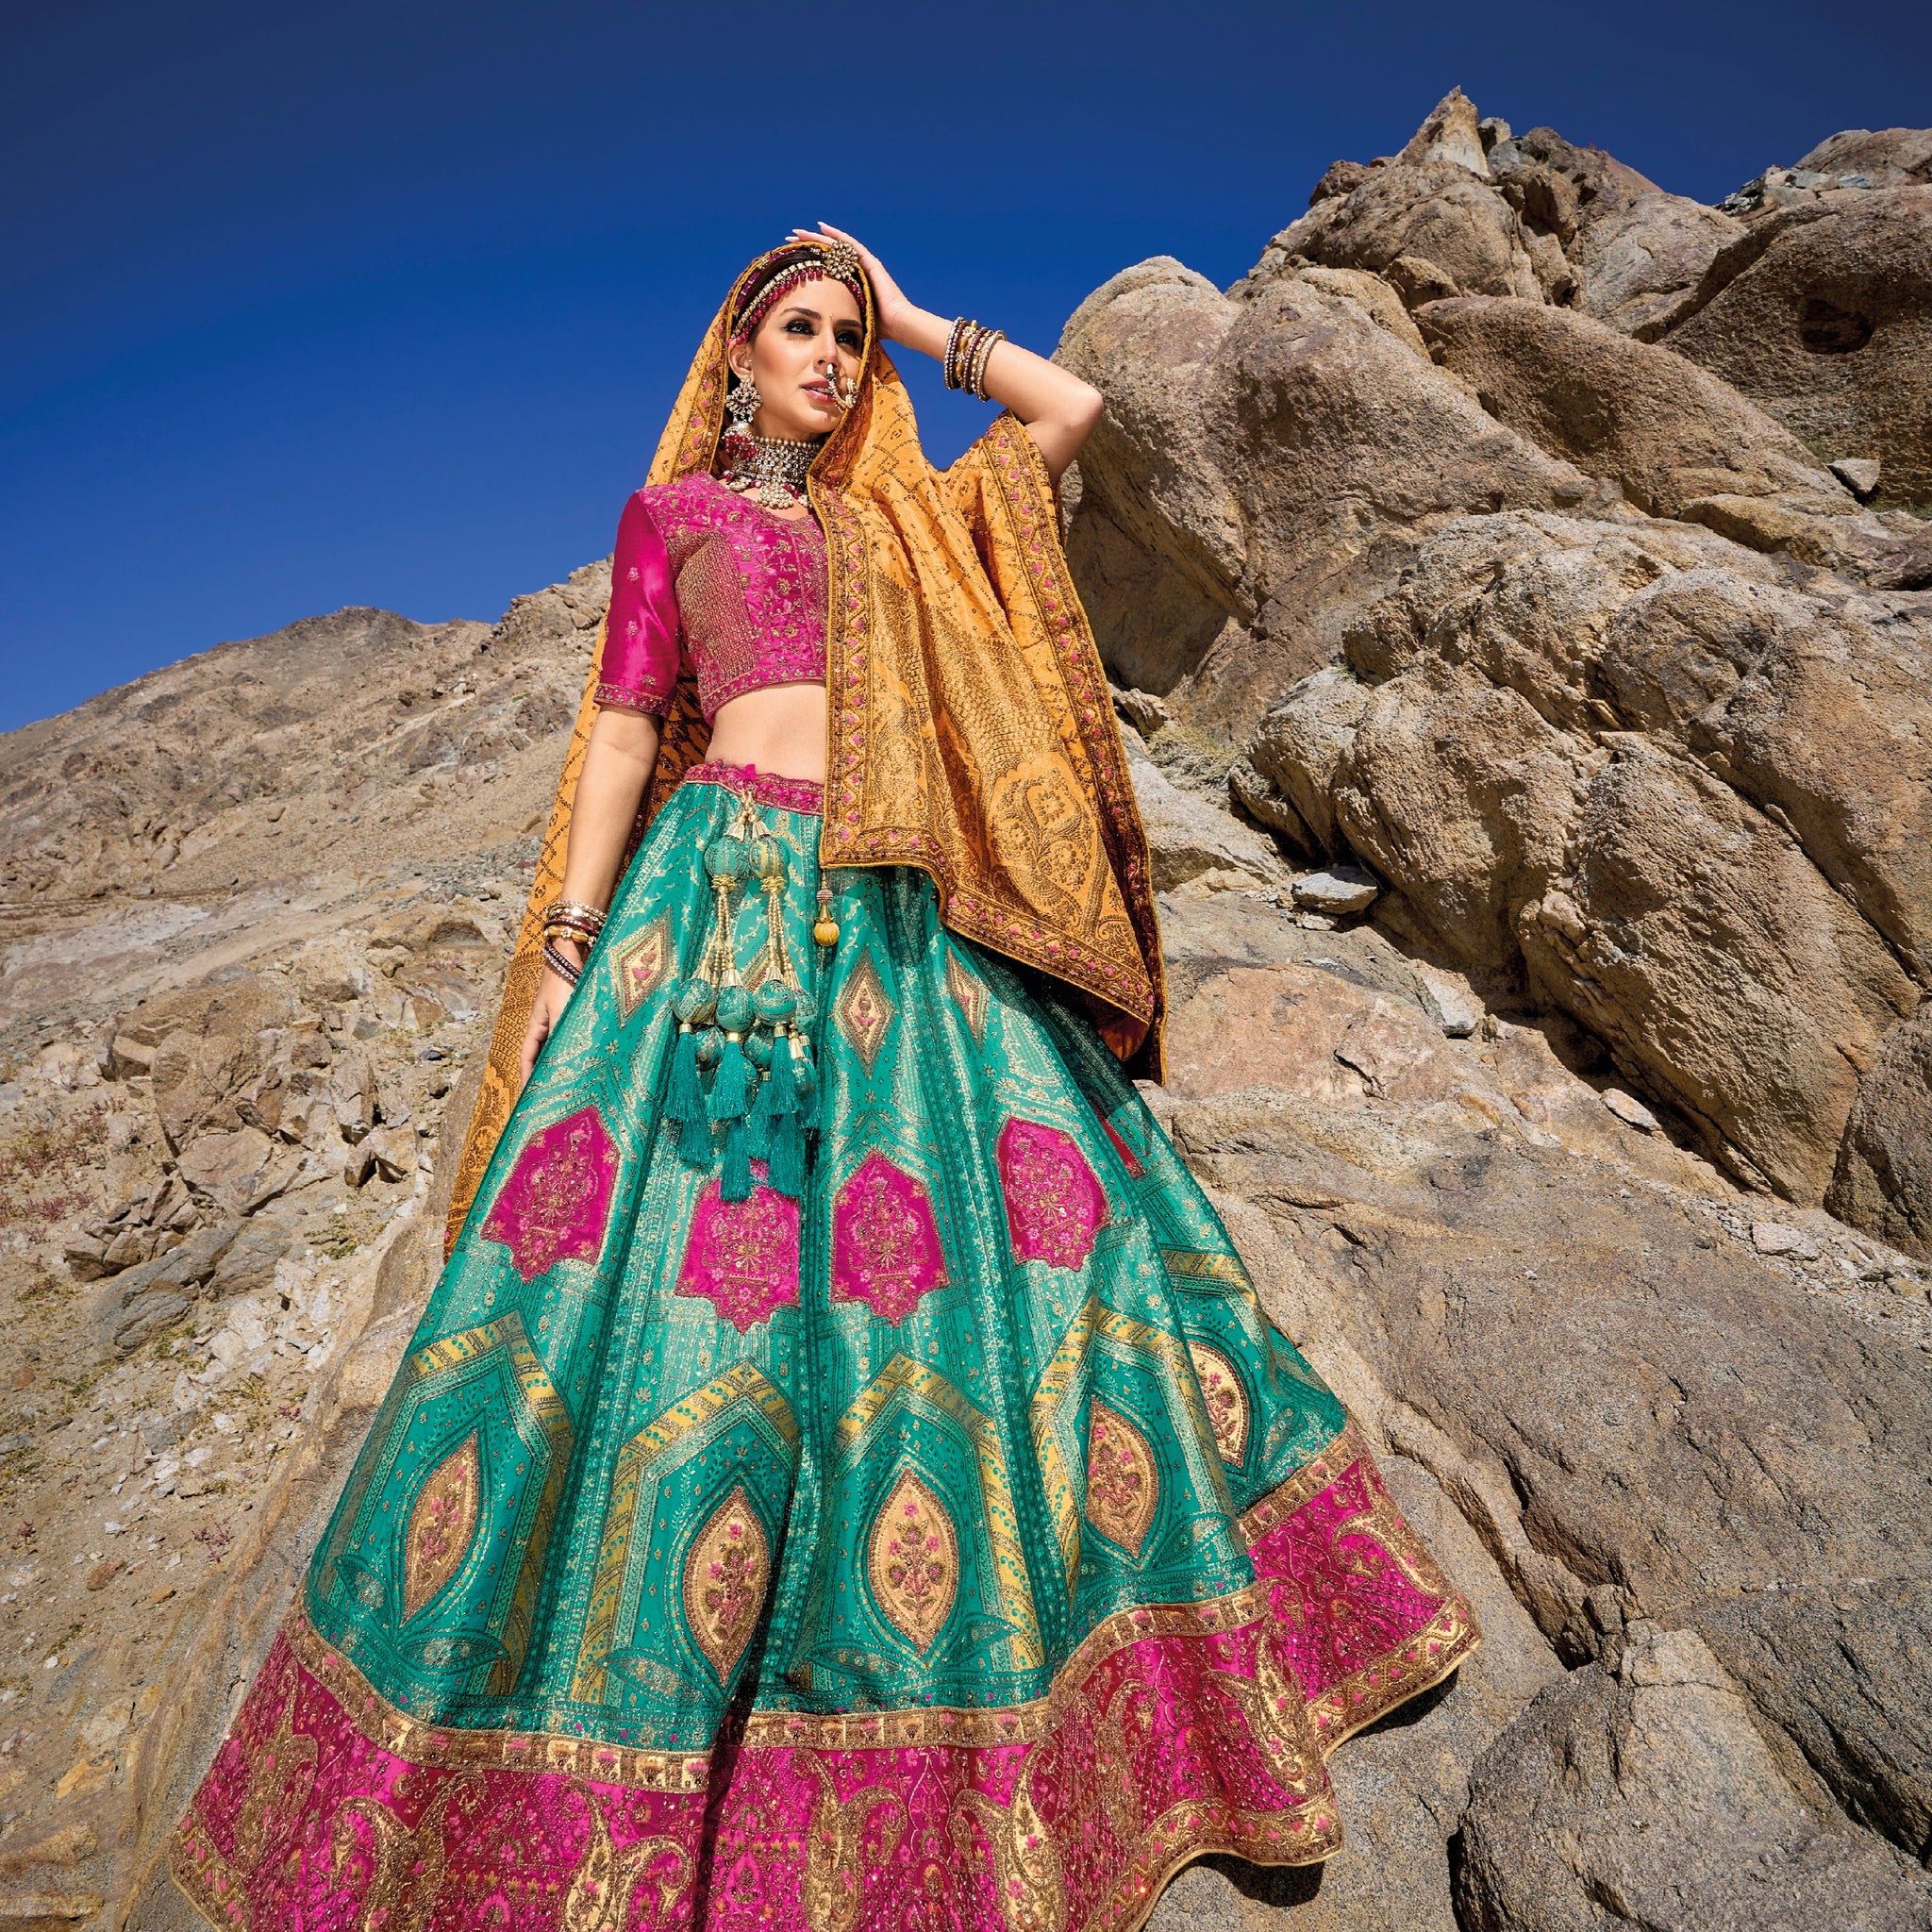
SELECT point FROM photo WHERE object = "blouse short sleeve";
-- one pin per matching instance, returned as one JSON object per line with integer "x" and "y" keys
{"x": 641, "y": 640}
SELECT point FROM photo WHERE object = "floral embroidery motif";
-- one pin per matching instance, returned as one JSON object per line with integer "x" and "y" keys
{"x": 642, "y": 963}
{"x": 1054, "y": 1202}
{"x": 441, "y": 1525}
{"x": 912, "y": 1562}
{"x": 1228, "y": 1402}
{"x": 836, "y": 1847}
{"x": 725, "y": 1579}
{"x": 1123, "y": 1484}
{"x": 742, "y": 1255}
{"x": 969, "y": 995}
{"x": 885, "y": 1244}
{"x": 557, "y": 1198}
{"x": 864, "y": 1011}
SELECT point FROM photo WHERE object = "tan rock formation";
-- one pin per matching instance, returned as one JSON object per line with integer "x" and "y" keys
{"x": 1637, "y": 253}
{"x": 1232, "y": 503}
{"x": 1823, "y": 316}
{"x": 1658, "y": 427}
{"x": 1653, "y": 1782}
{"x": 1648, "y": 751}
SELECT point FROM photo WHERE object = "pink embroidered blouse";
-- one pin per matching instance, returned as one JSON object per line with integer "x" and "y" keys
{"x": 702, "y": 571}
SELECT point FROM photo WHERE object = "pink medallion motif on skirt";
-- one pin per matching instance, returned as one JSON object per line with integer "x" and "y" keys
{"x": 556, "y": 1200}
{"x": 885, "y": 1244}
{"x": 1053, "y": 1203}
{"x": 742, "y": 1255}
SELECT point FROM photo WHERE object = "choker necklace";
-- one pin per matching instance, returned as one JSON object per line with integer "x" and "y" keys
{"x": 768, "y": 469}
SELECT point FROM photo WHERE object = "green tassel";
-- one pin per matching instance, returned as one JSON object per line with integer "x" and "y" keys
{"x": 734, "y": 1178}
{"x": 694, "y": 1144}
{"x": 729, "y": 1097}
{"x": 685, "y": 1102}
{"x": 785, "y": 1163}
{"x": 784, "y": 1080}
{"x": 757, "y": 1125}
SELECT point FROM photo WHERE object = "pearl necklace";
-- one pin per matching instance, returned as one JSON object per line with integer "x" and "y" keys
{"x": 773, "y": 474}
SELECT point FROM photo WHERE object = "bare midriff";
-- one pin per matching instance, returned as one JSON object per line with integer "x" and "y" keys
{"x": 780, "y": 728}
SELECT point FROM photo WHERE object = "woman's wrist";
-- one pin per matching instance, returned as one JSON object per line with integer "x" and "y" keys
{"x": 920, "y": 329}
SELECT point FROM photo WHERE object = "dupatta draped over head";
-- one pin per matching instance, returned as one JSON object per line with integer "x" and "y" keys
{"x": 970, "y": 730}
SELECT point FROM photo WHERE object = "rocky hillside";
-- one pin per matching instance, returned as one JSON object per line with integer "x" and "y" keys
{"x": 1529, "y": 719}
{"x": 1555, "y": 547}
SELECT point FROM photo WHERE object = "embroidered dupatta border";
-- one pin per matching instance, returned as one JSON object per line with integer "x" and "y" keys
{"x": 1012, "y": 464}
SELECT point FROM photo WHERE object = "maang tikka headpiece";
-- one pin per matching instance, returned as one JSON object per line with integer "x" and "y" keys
{"x": 829, "y": 260}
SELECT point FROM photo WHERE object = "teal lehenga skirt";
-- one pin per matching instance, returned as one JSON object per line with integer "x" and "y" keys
{"x": 843, "y": 1477}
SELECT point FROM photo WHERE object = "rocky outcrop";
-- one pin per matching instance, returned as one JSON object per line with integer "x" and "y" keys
{"x": 1617, "y": 688}
{"x": 1231, "y": 507}
{"x": 1636, "y": 252}
{"x": 1823, "y": 316}
{"x": 1553, "y": 725}
{"x": 1649, "y": 1797}
{"x": 1643, "y": 418}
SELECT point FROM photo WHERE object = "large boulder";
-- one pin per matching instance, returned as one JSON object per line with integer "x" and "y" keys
{"x": 1642, "y": 1418}
{"x": 1660, "y": 427}
{"x": 1650, "y": 1798}
{"x": 1823, "y": 316}
{"x": 1635, "y": 772}
{"x": 1265, "y": 466}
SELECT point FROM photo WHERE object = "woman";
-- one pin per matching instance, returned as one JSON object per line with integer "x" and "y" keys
{"x": 843, "y": 1477}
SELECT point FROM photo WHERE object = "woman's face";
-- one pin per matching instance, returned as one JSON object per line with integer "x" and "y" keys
{"x": 818, "y": 324}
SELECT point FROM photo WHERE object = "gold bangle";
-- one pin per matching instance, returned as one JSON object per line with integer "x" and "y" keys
{"x": 593, "y": 916}
{"x": 962, "y": 333}
{"x": 982, "y": 355}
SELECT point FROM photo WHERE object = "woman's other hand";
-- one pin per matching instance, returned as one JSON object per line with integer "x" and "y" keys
{"x": 546, "y": 1010}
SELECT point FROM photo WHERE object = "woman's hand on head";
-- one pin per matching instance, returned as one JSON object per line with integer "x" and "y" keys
{"x": 888, "y": 299}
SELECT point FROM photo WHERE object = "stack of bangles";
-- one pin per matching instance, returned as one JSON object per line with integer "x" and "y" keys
{"x": 565, "y": 919}
{"x": 968, "y": 348}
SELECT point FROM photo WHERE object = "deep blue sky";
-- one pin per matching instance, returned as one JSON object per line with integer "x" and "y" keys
{"x": 359, "y": 302}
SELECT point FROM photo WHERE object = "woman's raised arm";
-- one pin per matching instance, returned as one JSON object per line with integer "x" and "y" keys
{"x": 1058, "y": 410}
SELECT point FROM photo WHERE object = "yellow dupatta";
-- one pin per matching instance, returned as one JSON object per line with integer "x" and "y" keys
{"x": 969, "y": 728}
